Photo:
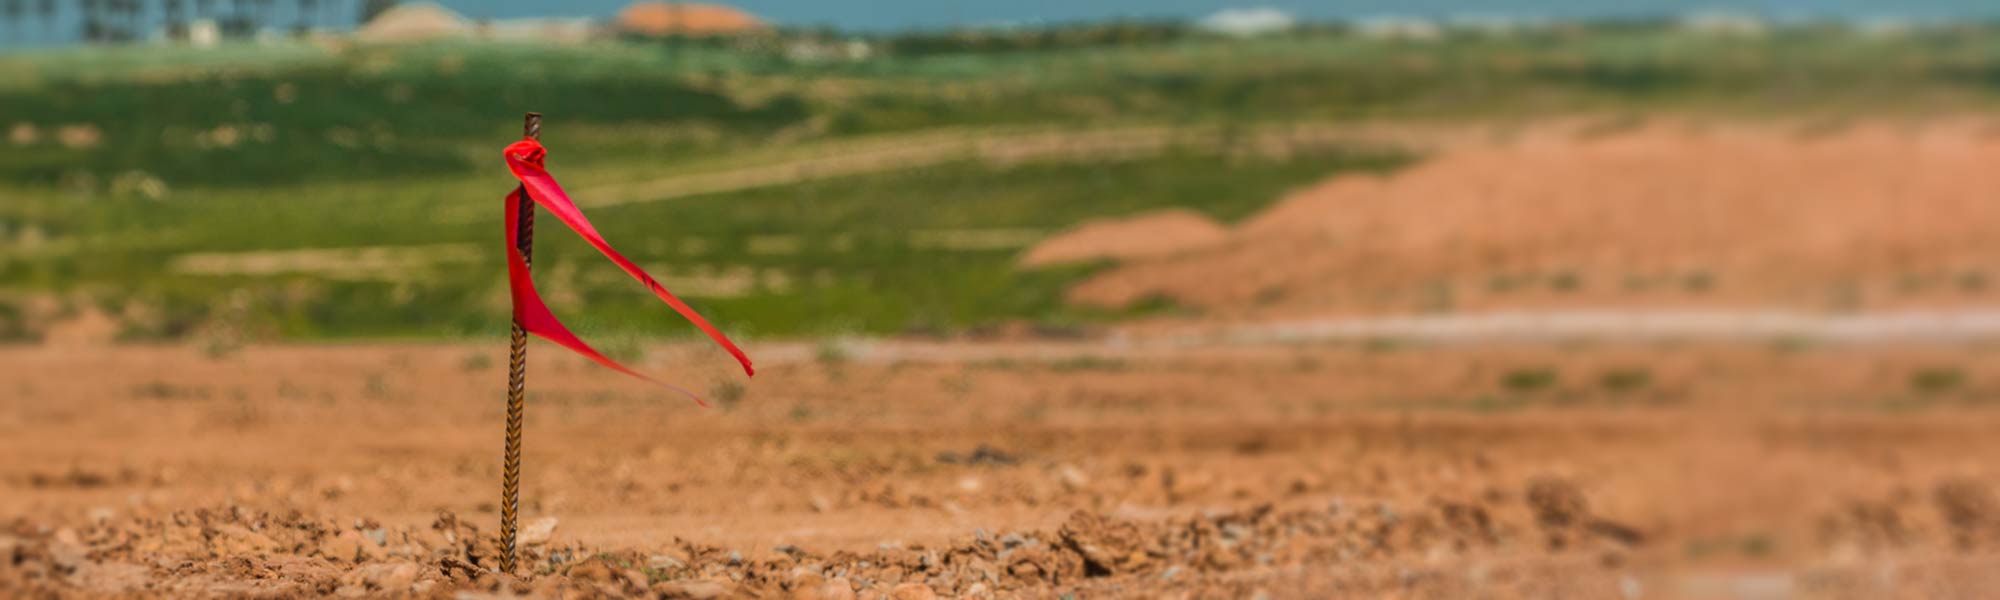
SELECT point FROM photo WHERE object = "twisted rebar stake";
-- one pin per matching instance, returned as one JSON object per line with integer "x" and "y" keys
{"x": 517, "y": 381}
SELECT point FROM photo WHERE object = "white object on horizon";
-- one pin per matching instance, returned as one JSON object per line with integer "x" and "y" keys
{"x": 1399, "y": 28}
{"x": 1724, "y": 24}
{"x": 203, "y": 33}
{"x": 1248, "y": 22}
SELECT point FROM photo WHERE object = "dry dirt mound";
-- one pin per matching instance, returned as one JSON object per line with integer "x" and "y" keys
{"x": 672, "y": 18}
{"x": 417, "y": 22}
{"x": 238, "y": 551}
{"x": 1150, "y": 235}
{"x": 1866, "y": 216}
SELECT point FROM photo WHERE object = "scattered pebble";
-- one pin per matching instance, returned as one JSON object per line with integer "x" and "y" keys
{"x": 537, "y": 532}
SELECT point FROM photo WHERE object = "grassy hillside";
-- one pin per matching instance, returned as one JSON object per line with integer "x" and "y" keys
{"x": 306, "y": 192}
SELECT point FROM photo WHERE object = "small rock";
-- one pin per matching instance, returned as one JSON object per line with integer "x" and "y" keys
{"x": 378, "y": 535}
{"x": 1170, "y": 573}
{"x": 1630, "y": 588}
{"x": 831, "y": 589}
{"x": 1181, "y": 486}
{"x": 68, "y": 536}
{"x": 538, "y": 531}
{"x": 501, "y": 583}
{"x": 634, "y": 578}
{"x": 238, "y": 540}
{"x": 125, "y": 578}
{"x": 735, "y": 558}
{"x": 1073, "y": 479}
{"x": 457, "y": 569}
{"x": 912, "y": 591}
{"x": 803, "y": 578}
{"x": 349, "y": 546}
{"x": 388, "y": 577}
{"x": 600, "y": 571}
{"x": 66, "y": 554}
{"x": 664, "y": 562}
{"x": 978, "y": 590}
{"x": 692, "y": 590}
{"x": 1557, "y": 502}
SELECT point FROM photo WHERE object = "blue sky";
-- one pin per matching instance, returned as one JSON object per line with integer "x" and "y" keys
{"x": 902, "y": 14}
{"x": 895, "y": 15}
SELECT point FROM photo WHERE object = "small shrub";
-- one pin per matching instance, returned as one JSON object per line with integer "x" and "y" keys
{"x": 1937, "y": 380}
{"x": 1529, "y": 380}
{"x": 1565, "y": 282}
{"x": 1699, "y": 282}
{"x": 1492, "y": 403}
{"x": 1625, "y": 380}
{"x": 624, "y": 349}
{"x": 728, "y": 393}
{"x": 375, "y": 387}
{"x": 830, "y": 353}
{"x": 1087, "y": 363}
{"x": 1382, "y": 344}
{"x": 477, "y": 361}
{"x": 1758, "y": 545}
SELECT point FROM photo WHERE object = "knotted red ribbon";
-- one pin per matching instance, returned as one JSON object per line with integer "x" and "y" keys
{"x": 525, "y": 159}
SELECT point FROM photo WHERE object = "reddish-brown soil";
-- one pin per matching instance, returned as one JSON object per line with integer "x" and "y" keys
{"x": 1152, "y": 235}
{"x": 1011, "y": 470}
{"x": 1142, "y": 465}
{"x": 1839, "y": 218}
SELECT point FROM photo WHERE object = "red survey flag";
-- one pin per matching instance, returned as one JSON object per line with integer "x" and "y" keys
{"x": 525, "y": 159}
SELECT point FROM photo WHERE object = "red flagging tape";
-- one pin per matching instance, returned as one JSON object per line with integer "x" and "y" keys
{"x": 525, "y": 158}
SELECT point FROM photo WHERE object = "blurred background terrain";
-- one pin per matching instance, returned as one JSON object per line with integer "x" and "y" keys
{"x": 1525, "y": 300}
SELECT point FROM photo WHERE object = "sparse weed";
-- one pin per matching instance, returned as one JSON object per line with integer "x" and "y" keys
{"x": 1698, "y": 283}
{"x": 1565, "y": 282}
{"x": 1937, "y": 380}
{"x": 728, "y": 393}
{"x": 1972, "y": 282}
{"x": 1625, "y": 380}
{"x": 1382, "y": 344}
{"x": 1527, "y": 380}
{"x": 476, "y": 361}
{"x": 375, "y": 387}
{"x": 1087, "y": 363}
{"x": 830, "y": 353}
{"x": 1495, "y": 403}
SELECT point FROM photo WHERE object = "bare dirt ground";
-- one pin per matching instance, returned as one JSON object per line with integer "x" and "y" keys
{"x": 1864, "y": 215}
{"x": 1334, "y": 425}
{"x": 1011, "y": 470}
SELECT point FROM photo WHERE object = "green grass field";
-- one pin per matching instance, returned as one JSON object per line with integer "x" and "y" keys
{"x": 306, "y": 193}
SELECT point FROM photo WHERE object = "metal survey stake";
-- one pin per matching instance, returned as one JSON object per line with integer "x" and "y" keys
{"x": 526, "y": 159}
{"x": 517, "y": 380}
